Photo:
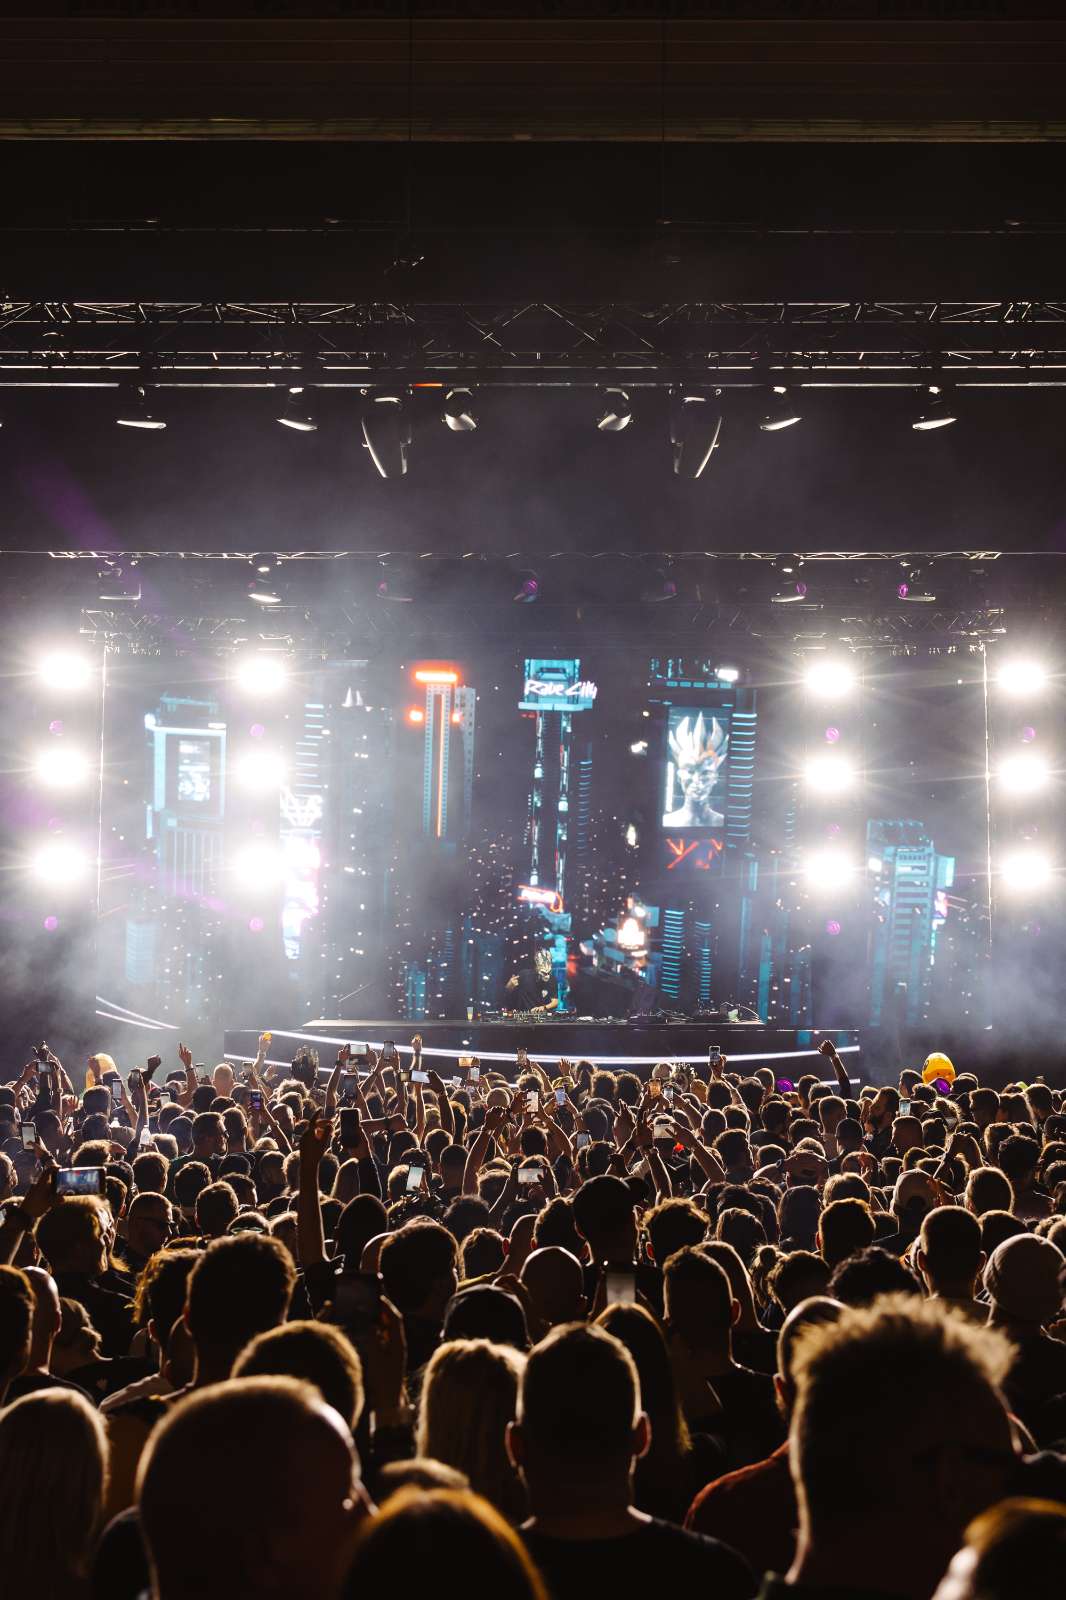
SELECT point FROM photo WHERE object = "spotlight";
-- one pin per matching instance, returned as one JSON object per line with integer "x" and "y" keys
{"x": 828, "y": 870}
{"x": 787, "y": 564}
{"x": 59, "y": 768}
{"x": 936, "y": 411}
{"x": 695, "y": 428}
{"x": 615, "y": 411}
{"x": 1024, "y": 773}
{"x": 528, "y": 589}
{"x": 60, "y": 864}
{"x": 258, "y": 866}
{"x": 780, "y": 412}
{"x": 1021, "y": 676}
{"x": 1025, "y": 870}
{"x": 663, "y": 586}
{"x": 727, "y": 674}
{"x": 134, "y": 412}
{"x": 459, "y": 413}
{"x": 790, "y": 594}
{"x": 297, "y": 413}
{"x": 830, "y": 680}
{"x": 259, "y": 769}
{"x": 914, "y": 590}
{"x": 63, "y": 669}
{"x": 387, "y": 431}
{"x": 259, "y": 674}
{"x": 829, "y": 773}
{"x": 639, "y": 747}
{"x": 263, "y": 594}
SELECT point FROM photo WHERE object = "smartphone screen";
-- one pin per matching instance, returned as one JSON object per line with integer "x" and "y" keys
{"x": 255, "y": 1099}
{"x": 349, "y": 1126}
{"x": 29, "y": 1136}
{"x": 474, "y": 1074}
{"x": 145, "y": 1140}
{"x": 80, "y": 1180}
{"x": 116, "y": 1092}
{"x": 581, "y": 1140}
{"x": 715, "y": 1054}
{"x": 905, "y": 1108}
{"x": 388, "y": 1052}
{"x": 668, "y": 1094}
{"x": 621, "y": 1285}
{"x": 560, "y": 1097}
{"x": 532, "y": 1100}
{"x": 529, "y": 1175}
{"x": 415, "y": 1174}
{"x": 419, "y": 1077}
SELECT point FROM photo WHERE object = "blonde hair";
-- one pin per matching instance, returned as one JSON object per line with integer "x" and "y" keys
{"x": 469, "y": 1396}
{"x": 53, "y": 1477}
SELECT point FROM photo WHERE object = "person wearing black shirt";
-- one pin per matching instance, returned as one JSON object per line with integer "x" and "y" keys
{"x": 534, "y": 988}
{"x": 578, "y": 1435}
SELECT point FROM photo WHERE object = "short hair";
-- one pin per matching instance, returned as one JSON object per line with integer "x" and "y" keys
{"x": 555, "y": 1226}
{"x": 899, "y": 1370}
{"x": 950, "y": 1240}
{"x": 242, "y": 1285}
{"x": 579, "y": 1398}
{"x": 1018, "y": 1155}
{"x": 846, "y": 1227}
{"x": 425, "y": 1530}
{"x": 74, "y": 1222}
{"x": 483, "y": 1251}
{"x": 317, "y": 1352}
{"x": 206, "y": 1125}
{"x": 197, "y": 1490}
{"x": 216, "y": 1207}
{"x": 869, "y": 1273}
{"x": 413, "y": 1259}
{"x": 16, "y": 1320}
{"x": 737, "y": 1226}
{"x": 673, "y": 1224}
{"x": 797, "y": 1276}
{"x": 602, "y": 1205}
{"x": 190, "y": 1178}
{"x": 161, "y": 1290}
{"x": 997, "y": 1226}
{"x": 1017, "y": 1536}
{"x": 150, "y": 1172}
{"x": 817, "y": 1310}
{"x": 697, "y": 1291}
{"x": 484, "y": 1311}
{"x": 464, "y": 1215}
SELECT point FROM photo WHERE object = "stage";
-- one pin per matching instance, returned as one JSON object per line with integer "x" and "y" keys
{"x": 790, "y": 1051}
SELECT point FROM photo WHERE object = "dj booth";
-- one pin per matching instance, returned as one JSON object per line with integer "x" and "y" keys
{"x": 636, "y": 1046}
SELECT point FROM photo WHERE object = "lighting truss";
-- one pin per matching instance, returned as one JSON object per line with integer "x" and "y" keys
{"x": 360, "y": 344}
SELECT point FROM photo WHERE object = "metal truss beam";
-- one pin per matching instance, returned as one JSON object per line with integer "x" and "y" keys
{"x": 358, "y": 344}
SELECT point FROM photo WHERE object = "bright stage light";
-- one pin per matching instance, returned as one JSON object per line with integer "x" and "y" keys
{"x": 65, "y": 669}
{"x": 1024, "y": 773}
{"x": 436, "y": 675}
{"x": 259, "y": 769}
{"x": 1025, "y": 870}
{"x": 828, "y": 870}
{"x": 1021, "y": 676}
{"x": 258, "y": 866}
{"x": 261, "y": 674}
{"x": 416, "y": 716}
{"x": 829, "y": 773}
{"x": 60, "y": 864}
{"x": 830, "y": 680}
{"x": 60, "y": 768}
{"x": 727, "y": 674}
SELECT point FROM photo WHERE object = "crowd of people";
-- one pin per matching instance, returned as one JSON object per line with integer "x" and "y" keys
{"x": 303, "y": 1329}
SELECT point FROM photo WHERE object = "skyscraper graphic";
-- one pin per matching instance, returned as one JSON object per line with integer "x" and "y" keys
{"x": 449, "y": 720}
{"x": 907, "y": 876}
{"x": 554, "y": 693}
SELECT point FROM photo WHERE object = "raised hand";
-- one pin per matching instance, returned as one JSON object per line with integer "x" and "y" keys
{"x": 185, "y": 1056}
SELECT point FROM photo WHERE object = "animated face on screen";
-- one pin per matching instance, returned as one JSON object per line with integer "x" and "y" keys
{"x": 697, "y": 752}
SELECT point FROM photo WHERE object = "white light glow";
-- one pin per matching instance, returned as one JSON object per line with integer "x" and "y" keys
{"x": 258, "y": 674}
{"x": 60, "y": 864}
{"x": 727, "y": 674}
{"x": 829, "y": 773}
{"x": 258, "y": 866}
{"x": 259, "y": 769}
{"x": 61, "y": 768}
{"x": 830, "y": 679}
{"x": 65, "y": 669}
{"x": 827, "y": 870}
{"x": 1025, "y": 870}
{"x": 1021, "y": 676}
{"x": 1024, "y": 773}
{"x": 639, "y": 747}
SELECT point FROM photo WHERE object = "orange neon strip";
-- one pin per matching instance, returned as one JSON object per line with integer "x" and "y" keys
{"x": 435, "y": 675}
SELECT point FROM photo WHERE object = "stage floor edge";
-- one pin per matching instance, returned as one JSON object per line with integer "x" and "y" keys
{"x": 612, "y": 1045}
